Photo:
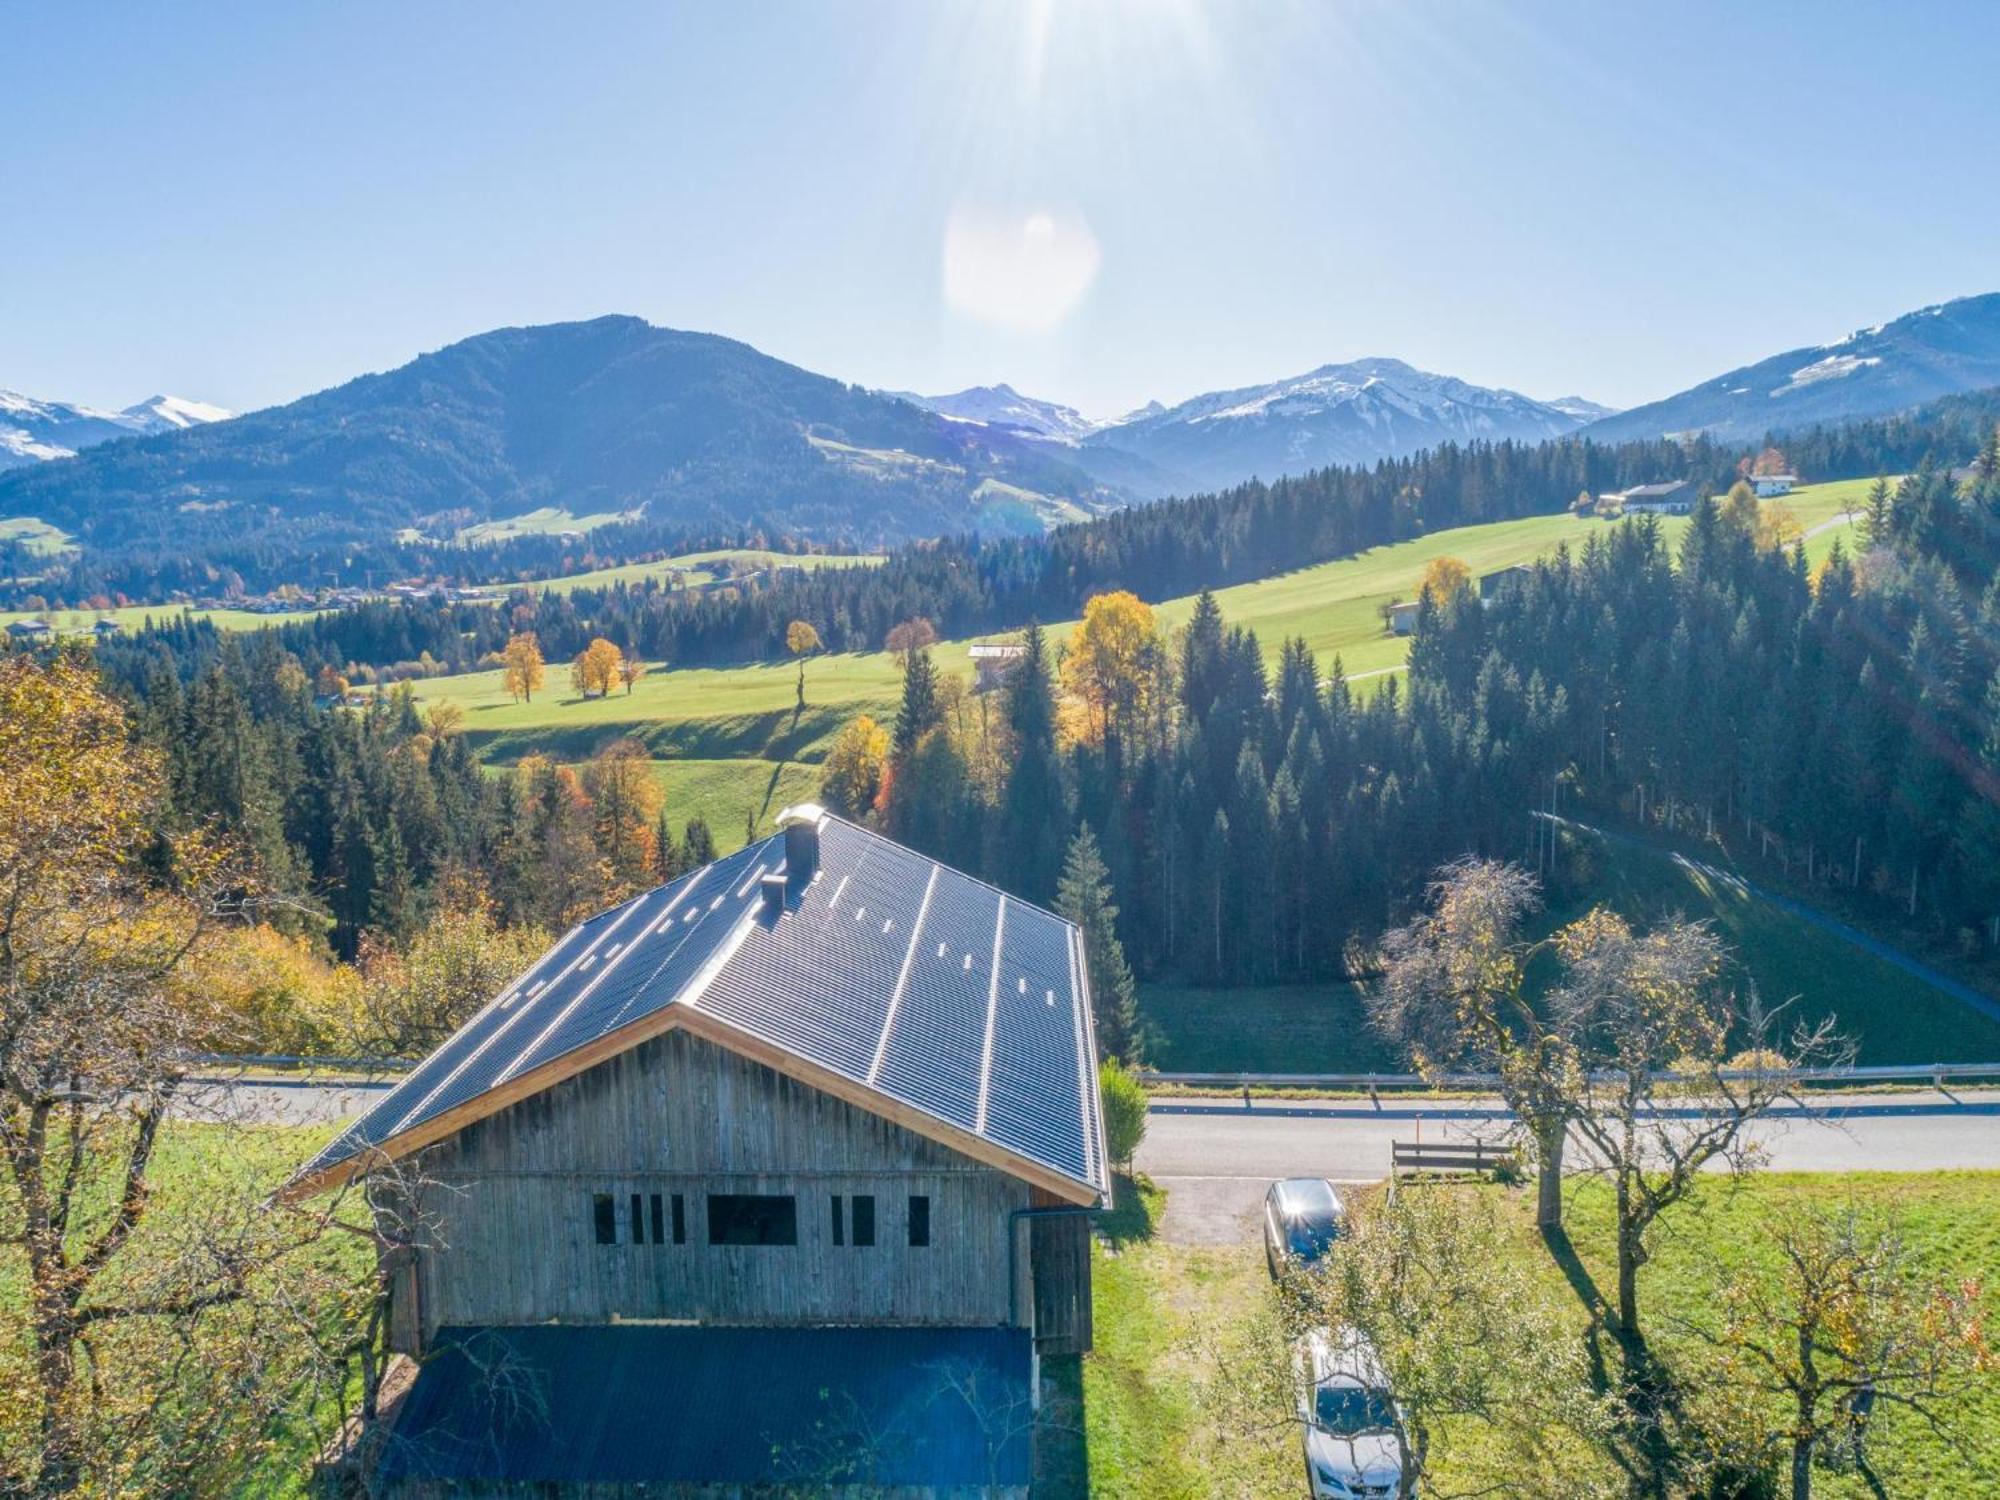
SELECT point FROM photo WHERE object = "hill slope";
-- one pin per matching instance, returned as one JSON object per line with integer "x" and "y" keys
{"x": 607, "y": 416}
{"x": 1938, "y": 351}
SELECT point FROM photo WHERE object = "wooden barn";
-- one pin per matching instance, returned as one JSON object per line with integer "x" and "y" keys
{"x": 777, "y": 1175}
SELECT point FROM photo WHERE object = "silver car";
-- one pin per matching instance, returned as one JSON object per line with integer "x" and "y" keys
{"x": 1348, "y": 1420}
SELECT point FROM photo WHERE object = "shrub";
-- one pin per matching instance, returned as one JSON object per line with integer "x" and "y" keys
{"x": 1124, "y": 1111}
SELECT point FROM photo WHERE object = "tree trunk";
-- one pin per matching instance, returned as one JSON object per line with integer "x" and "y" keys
{"x": 1631, "y": 1254}
{"x": 1801, "y": 1468}
{"x": 1550, "y": 1138}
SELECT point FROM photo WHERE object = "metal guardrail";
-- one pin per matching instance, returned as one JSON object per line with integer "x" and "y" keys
{"x": 1934, "y": 1073}
{"x": 287, "y": 1063}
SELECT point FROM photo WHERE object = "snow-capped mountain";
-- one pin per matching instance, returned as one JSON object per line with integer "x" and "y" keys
{"x": 33, "y": 431}
{"x": 1936, "y": 351}
{"x": 1351, "y": 413}
{"x": 1003, "y": 406}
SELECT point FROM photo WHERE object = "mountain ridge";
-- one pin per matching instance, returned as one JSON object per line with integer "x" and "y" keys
{"x": 34, "y": 430}
{"x": 1940, "y": 350}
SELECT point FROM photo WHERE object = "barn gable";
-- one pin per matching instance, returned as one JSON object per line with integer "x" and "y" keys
{"x": 827, "y": 953}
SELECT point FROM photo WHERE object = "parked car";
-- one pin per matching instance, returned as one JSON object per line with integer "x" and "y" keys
{"x": 1348, "y": 1418}
{"x": 1302, "y": 1219}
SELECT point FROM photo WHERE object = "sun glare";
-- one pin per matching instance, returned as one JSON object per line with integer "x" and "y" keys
{"x": 1020, "y": 271}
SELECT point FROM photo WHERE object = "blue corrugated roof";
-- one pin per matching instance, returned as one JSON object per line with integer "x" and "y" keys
{"x": 890, "y": 969}
{"x": 944, "y": 1407}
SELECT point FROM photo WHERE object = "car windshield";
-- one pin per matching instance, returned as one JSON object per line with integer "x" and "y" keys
{"x": 1352, "y": 1410}
{"x": 1309, "y": 1235}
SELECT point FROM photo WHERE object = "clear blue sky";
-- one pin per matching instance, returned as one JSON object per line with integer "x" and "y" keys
{"x": 1101, "y": 202}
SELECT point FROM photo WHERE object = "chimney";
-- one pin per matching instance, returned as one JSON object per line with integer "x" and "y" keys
{"x": 772, "y": 889}
{"x": 801, "y": 825}
{"x": 801, "y": 852}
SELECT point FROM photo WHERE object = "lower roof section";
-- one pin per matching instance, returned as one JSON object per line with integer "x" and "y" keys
{"x": 629, "y": 1405}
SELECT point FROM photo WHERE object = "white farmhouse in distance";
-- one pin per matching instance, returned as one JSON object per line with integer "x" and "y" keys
{"x": 1768, "y": 485}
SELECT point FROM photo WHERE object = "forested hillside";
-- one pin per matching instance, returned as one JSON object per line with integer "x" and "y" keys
{"x": 1261, "y": 822}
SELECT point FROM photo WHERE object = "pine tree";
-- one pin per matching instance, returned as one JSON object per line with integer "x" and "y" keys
{"x": 919, "y": 712}
{"x": 699, "y": 849}
{"x": 1084, "y": 896}
{"x": 1032, "y": 818}
{"x": 1875, "y": 520}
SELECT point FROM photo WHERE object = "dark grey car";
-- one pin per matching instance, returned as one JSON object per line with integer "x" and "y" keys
{"x": 1302, "y": 1220}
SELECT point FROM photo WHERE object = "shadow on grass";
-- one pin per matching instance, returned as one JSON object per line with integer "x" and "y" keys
{"x": 1135, "y": 1211}
{"x": 1653, "y": 1411}
{"x": 1062, "y": 1443}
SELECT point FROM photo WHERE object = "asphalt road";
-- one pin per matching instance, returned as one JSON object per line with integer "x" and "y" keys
{"x": 1215, "y": 1157}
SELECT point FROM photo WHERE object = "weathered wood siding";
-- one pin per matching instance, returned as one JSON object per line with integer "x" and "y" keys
{"x": 511, "y": 1216}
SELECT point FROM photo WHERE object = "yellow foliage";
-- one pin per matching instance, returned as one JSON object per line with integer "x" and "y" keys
{"x": 854, "y": 765}
{"x": 277, "y": 993}
{"x": 1444, "y": 577}
{"x": 1111, "y": 661}
{"x": 596, "y": 667}
{"x": 801, "y": 638}
{"x": 523, "y": 660}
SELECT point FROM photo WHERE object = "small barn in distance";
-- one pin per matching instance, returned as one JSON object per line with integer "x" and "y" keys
{"x": 803, "y": 1142}
{"x": 992, "y": 661}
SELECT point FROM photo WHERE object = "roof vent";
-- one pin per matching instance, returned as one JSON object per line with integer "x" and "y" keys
{"x": 772, "y": 889}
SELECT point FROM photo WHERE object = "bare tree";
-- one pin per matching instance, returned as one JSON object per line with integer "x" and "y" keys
{"x": 1455, "y": 994}
{"x": 1657, "y": 1103}
{"x": 1851, "y": 1322}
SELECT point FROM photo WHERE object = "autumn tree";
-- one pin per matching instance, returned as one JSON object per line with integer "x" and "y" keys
{"x": 522, "y": 665}
{"x": 1455, "y": 993}
{"x": 625, "y": 799}
{"x": 596, "y": 668}
{"x": 630, "y": 670}
{"x": 801, "y": 640}
{"x": 853, "y": 773}
{"x": 1770, "y": 461}
{"x": 1469, "y": 1339}
{"x": 151, "y": 1334}
{"x": 1850, "y": 1323}
{"x": 1444, "y": 579}
{"x": 1114, "y": 653}
{"x": 416, "y": 996}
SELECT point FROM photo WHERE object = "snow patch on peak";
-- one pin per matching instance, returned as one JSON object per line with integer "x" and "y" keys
{"x": 177, "y": 411}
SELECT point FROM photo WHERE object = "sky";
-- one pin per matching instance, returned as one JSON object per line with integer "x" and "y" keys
{"x": 1100, "y": 201}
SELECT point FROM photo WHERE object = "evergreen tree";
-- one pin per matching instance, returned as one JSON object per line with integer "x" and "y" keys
{"x": 1032, "y": 819}
{"x": 919, "y": 711}
{"x": 1084, "y": 896}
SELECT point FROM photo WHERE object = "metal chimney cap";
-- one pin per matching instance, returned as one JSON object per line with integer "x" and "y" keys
{"x": 803, "y": 812}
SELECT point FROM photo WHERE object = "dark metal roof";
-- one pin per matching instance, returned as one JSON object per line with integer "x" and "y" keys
{"x": 902, "y": 975}
{"x": 922, "y": 1407}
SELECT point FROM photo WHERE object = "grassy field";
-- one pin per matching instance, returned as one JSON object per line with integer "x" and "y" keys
{"x": 1294, "y": 1028}
{"x": 135, "y": 616}
{"x": 546, "y": 521}
{"x": 39, "y": 537}
{"x": 1166, "y": 1314}
{"x": 702, "y": 567}
{"x": 1891, "y": 1014}
{"x": 722, "y": 792}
